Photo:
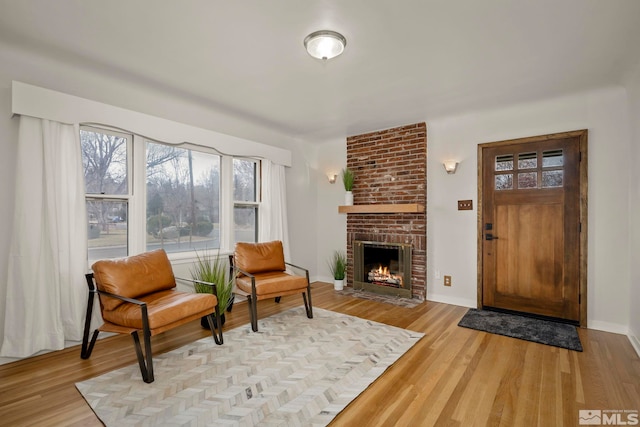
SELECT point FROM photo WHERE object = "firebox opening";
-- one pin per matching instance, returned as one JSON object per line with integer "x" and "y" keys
{"x": 383, "y": 268}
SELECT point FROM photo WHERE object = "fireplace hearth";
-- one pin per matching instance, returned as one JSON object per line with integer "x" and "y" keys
{"x": 383, "y": 268}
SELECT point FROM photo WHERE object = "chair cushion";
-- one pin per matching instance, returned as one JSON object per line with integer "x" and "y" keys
{"x": 133, "y": 277}
{"x": 272, "y": 283}
{"x": 259, "y": 257}
{"x": 163, "y": 308}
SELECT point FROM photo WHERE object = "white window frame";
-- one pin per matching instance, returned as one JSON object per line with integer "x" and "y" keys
{"x": 128, "y": 198}
{"x": 136, "y": 197}
{"x": 256, "y": 203}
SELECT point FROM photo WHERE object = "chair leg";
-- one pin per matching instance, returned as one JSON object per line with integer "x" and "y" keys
{"x": 307, "y": 304}
{"x": 217, "y": 336}
{"x": 146, "y": 366}
{"x": 253, "y": 313}
{"x": 308, "y": 308}
{"x": 87, "y": 347}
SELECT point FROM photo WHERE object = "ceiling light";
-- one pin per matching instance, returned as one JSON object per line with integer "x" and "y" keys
{"x": 325, "y": 44}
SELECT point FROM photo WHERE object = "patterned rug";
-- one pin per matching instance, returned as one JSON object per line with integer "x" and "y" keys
{"x": 525, "y": 328}
{"x": 294, "y": 371}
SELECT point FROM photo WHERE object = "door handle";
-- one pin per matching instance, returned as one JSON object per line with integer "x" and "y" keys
{"x": 490, "y": 237}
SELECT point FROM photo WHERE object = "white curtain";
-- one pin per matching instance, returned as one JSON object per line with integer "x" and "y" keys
{"x": 46, "y": 291}
{"x": 272, "y": 223}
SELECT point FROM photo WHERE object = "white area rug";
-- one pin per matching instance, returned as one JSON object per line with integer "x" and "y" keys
{"x": 295, "y": 371}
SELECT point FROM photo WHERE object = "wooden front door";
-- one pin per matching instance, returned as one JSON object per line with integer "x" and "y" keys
{"x": 533, "y": 208}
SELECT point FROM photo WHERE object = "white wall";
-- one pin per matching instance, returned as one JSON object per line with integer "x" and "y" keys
{"x": 302, "y": 202}
{"x": 452, "y": 234}
{"x": 633, "y": 89}
{"x": 331, "y": 226}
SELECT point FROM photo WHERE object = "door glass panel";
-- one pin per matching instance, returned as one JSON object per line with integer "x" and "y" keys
{"x": 552, "y": 158}
{"x": 528, "y": 180}
{"x": 504, "y": 163}
{"x": 504, "y": 182}
{"x": 552, "y": 178}
{"x": 527, "y": 161}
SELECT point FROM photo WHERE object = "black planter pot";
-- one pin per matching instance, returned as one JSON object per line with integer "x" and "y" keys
{"x": 205, "y": 323}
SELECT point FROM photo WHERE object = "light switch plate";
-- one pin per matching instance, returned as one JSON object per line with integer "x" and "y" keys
{"x": 465, "y": 205}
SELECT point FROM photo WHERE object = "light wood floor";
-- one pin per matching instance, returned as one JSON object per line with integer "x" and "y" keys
{"x": 453, "y": 376}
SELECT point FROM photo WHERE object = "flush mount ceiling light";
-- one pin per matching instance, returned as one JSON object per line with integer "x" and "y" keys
{"x": 325, "y": 44}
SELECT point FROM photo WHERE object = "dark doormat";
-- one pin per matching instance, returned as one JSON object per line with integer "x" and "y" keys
{"x": 525, "y": 328}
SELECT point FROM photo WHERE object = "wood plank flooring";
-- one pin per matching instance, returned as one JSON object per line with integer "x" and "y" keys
{"x": 452, "y": 377}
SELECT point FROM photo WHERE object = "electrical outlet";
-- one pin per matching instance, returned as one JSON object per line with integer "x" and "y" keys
{"x": 447, "y": 280}
{"x": 465, "y": 205}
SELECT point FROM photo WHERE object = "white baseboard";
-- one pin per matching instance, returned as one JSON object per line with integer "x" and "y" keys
{"x": 324, "y": 279}
{"x": 635, "y": 341}
{"x": 462, "y": 302}
{"x": 608, "y": 327}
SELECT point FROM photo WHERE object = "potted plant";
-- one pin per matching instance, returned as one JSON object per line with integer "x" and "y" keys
{"x": 209, "y": 268}
{"x": 347, "y": 179}
{"x": 338, "y": 267}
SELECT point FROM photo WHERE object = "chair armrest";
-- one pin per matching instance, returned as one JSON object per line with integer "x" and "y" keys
{"x": 214, "y": 288}
{"x": 296, "y": 266}
{"x": 141, "y": 304}
{"x": 239, "y": 270}
{"x": 120, "y": 297}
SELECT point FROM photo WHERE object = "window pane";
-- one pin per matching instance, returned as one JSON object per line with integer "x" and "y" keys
{"x": 104, "y": 159}
{"x": 551, "y": 179}
{"x": 183, "y": 199}
{"x": 504, "y": 182}
{"x": 245, "y": 223}
{"x": 107, "y": 229}
{"x": 244, "y": 180}
{"x": 552, "y": 158}
{"x": 528, "y": 180}
{"x": 527, "y": 161}
{"x": 504, "y": 163}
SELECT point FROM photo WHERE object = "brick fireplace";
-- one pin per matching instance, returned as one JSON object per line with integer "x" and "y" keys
{"x": 390, "y": 168}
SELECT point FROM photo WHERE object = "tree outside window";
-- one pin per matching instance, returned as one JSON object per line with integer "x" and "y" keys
{"x": 183, "y": 199}
{"x": 246, "y": 198}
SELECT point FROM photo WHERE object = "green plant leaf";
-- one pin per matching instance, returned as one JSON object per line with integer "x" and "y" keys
{"x": 210, "y": 268}
{"x": 348, "y": 177}
{"x": 338, "y": 265}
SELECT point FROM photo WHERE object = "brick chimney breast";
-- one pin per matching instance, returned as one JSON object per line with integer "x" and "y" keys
{"x": 390, "y": 167}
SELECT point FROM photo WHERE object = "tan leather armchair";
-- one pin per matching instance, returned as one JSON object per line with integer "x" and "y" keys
{"x": 260, "y": 273}
{"x": 138, "y": 294}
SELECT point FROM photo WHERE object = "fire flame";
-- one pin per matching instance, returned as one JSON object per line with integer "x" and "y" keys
{"x": 382, "y": 275}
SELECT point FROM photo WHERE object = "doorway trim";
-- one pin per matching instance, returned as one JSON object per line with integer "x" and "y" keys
{"x": 583, "y": 142}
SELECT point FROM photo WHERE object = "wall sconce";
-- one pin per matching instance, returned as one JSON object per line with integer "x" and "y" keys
{"x": 332, "y": 178}
{"x": 450, "y": 166}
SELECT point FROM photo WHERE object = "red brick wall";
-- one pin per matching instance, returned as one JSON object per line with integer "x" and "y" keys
{"x": 390, "y": 168}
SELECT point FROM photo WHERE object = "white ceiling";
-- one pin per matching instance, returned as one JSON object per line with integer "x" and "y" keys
{"x": 405, "y": 61}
